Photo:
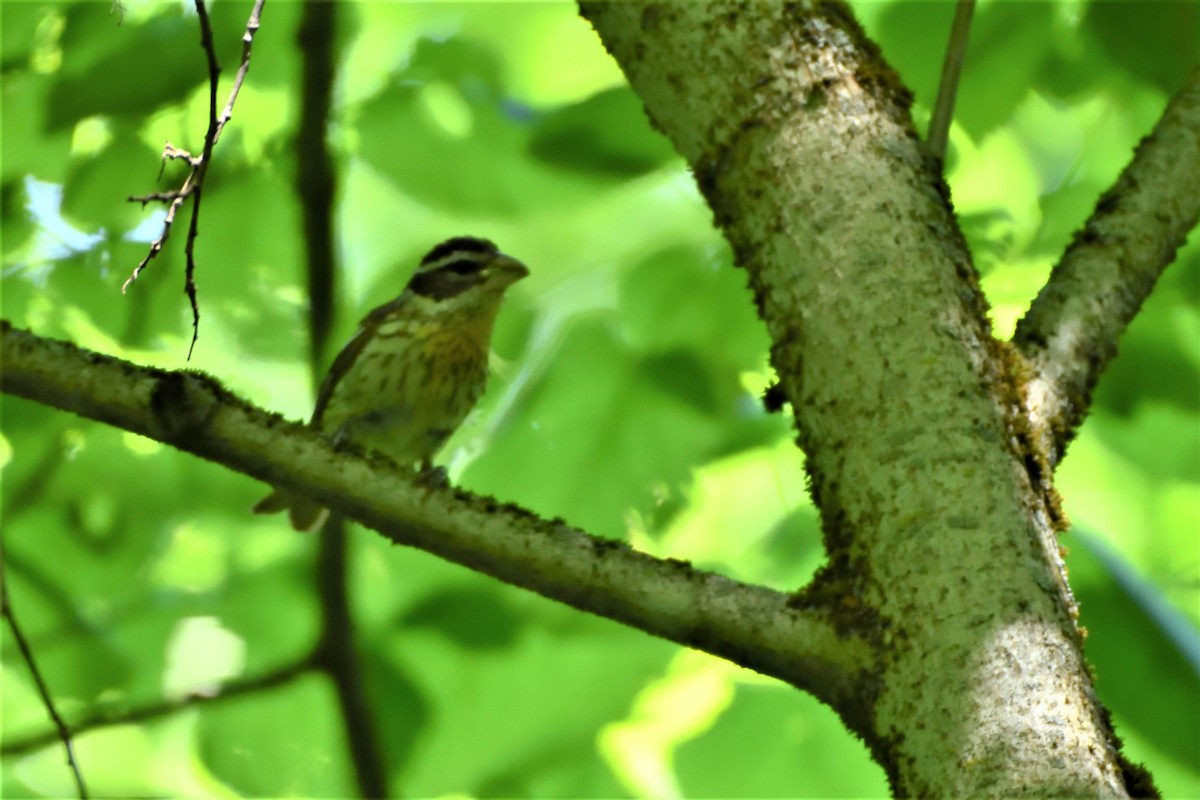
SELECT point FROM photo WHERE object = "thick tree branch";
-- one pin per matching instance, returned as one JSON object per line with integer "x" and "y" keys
{"x": 1071, "y": 331}
{"x": 753, "y": 626}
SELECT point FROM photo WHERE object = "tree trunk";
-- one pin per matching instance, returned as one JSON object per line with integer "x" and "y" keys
{"x": 938, "y": 514}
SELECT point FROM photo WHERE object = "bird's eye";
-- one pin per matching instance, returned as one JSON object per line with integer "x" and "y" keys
{"x": 463, "y": 266}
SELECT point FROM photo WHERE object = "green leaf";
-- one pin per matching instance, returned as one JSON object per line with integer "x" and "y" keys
{"x": 474, "y": 618}
{"x": 96, "y": 190}
{"x": 123, "y": 72}
{"x": 810, "y": 735}
{"x": 1009, "y": 44}
{"x": 610, "y": 433}
{"x": 1158, "y": 42}
{"x": 607, "y": 134}
{"x": 284, "y": 741}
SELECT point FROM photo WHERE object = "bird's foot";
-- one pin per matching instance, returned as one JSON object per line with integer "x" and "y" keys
{"x": 431, "y": 477}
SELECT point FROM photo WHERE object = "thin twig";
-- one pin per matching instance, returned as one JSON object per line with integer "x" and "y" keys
{"x": 247, "y": 43}
{"x": 162, "y": 708}
{"x": 194, "y": 183}
{"x": 60, "y": 728}
{"x": 210, "y": 139}
{"x": 157, "y": 245}
{"x": 157, "y": 197}
{"x": 943, "y": 110}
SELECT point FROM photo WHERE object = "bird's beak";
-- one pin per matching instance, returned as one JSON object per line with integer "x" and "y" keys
{"x": 507, "y": 269}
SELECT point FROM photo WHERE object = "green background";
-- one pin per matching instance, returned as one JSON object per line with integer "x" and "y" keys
{"x": 624, "y": 397}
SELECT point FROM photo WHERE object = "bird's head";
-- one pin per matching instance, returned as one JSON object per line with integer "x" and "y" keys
{"x": 465, "y": 270}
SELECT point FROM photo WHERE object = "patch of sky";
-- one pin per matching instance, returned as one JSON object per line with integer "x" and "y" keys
{"x": 56, "y": 238}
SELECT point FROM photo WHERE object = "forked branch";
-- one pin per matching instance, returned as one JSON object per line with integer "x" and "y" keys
{"x": 193, "y": 185}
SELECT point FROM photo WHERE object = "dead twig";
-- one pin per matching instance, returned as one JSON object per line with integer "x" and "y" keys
{"x": 193, "y": 185}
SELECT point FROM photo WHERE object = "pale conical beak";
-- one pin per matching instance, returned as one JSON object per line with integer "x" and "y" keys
{"x": 507, "y": 270}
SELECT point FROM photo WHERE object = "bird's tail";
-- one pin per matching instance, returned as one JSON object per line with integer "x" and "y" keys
{"x": 305, "y": 515}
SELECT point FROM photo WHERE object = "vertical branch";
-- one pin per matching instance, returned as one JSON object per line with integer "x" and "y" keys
{"x": 943, "y": 110}
{"x": 64, "y": 733}
{"x": 210, "y": 139}
{"x": 337, "y": 657}
{"x": 314, "y": 172}
{"x": 336, "y": 654}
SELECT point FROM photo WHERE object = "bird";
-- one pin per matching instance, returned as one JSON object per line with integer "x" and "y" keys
{"x": 416, "y": 366}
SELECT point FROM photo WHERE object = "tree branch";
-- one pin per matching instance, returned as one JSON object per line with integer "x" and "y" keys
{"x": 337, "y": 656}
{"x": 315, "y": 181}
{"x": 162, "y": 708}
{"x": 61, "y": 731}
{"x": 194, "y": 184}
{"x": 764, "y": 630}
{"x": 1071, "y": 330}
{"x": 943, "y": 109}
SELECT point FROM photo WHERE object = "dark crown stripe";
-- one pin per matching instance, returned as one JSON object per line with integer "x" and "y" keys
{"x": 459, "y": 244}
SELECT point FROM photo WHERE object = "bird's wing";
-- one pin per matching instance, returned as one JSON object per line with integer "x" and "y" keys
{"x": 347, "y": 356}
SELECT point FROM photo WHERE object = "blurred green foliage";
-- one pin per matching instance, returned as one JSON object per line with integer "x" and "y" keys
{"x": 624, "y": 397}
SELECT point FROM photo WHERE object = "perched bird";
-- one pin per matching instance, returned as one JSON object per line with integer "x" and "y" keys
{"x": 416, "y": 366}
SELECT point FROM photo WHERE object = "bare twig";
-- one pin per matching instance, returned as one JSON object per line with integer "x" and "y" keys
{"x": 61, "y": 731}
{"x": 194, "y": 183}
{"x": 158, "y": 197}
{"x": 162, "y": 708}
{"x": 943, "y": 110}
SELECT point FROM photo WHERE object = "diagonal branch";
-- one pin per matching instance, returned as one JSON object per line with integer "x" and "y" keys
{"x": 61, "y": 731}
{"x": 158, "y": 709}
{"x": 812, "y": 648}
{"x": 1070, "y": 332}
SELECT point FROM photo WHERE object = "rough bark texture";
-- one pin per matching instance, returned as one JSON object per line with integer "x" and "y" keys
{"x": 1071, "y": 331}
{"x": 750, "y": 625}
{"x": 938, "y": 515}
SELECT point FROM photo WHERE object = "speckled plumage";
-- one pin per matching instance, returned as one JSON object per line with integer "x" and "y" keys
{"x": 417, "y": 365}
